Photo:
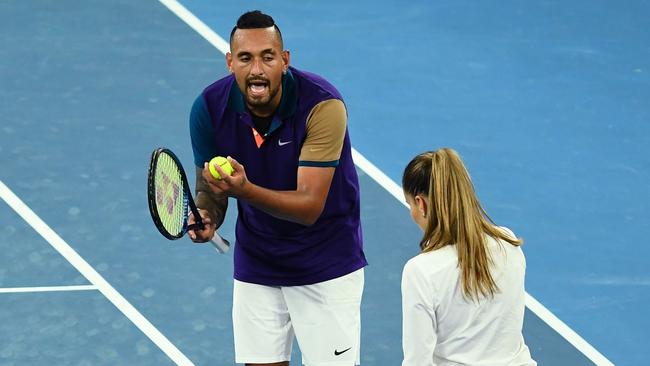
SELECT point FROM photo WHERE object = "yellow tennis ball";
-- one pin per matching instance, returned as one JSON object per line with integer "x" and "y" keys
{"x": 223, "y": 163}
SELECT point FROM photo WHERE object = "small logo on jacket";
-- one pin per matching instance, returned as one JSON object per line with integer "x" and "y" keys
{"x": 282, "y": 143}
{"x": 336, "y": 352}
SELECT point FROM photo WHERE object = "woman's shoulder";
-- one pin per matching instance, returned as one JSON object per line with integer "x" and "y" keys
{"x": 506, "y": 231}
{"x": 438, "y": 260}
{"x": 500, "y": 248}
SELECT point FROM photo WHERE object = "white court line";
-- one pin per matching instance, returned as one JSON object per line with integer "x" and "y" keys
{"x": 394, "y": 189}
{"x": 196, "y": 24}
{"x": 7, "y": 290}
{"x": 92, "y": 276}
{"x": 569, "y": 334}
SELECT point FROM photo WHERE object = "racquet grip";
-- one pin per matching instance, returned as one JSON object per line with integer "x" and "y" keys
{"x": 222, "y": 245}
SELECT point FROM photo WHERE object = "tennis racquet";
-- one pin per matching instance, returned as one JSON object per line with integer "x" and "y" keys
{"x": 170, "y": 199}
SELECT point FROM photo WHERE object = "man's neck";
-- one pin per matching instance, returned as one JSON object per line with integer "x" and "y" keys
{"x": 261, "y": 113}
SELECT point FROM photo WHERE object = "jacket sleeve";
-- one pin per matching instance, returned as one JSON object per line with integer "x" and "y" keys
{"x": 418, "y": 318}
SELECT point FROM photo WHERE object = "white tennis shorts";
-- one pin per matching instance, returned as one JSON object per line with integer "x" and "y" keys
{"x": 325, "y": 318}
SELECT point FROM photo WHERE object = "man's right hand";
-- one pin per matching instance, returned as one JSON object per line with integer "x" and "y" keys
{"x": 202, "y": 236}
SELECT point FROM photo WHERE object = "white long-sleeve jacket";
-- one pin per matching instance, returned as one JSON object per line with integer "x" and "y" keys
{"x": 441, "y": 327}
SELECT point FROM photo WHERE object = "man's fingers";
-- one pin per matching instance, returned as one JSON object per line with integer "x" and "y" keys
{"x": 200, "y": 235}
{"x": 235, "y": 164}
{"x": 207, "y": 175}
{"x": 221, "y": 172}
{"x": 191, "y": 234}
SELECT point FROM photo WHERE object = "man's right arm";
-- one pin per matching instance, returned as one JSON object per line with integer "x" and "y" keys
{"x": 203, "y": 149}
{"x": 215, "y": 204}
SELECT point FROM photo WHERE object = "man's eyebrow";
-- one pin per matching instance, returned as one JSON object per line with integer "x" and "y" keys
{"x": 264, "y": 52}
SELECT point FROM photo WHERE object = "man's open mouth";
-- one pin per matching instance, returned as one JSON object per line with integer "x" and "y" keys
{"x": 257, "y": 87}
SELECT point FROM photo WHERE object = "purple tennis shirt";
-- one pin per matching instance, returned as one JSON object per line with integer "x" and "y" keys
{"x": 268, "y": 250}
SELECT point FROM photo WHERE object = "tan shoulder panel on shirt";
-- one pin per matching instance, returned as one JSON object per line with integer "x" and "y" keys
{"x": 326, "y": 126}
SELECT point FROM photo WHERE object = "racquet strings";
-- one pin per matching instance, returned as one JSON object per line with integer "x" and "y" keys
{"x": 171, "y": 203}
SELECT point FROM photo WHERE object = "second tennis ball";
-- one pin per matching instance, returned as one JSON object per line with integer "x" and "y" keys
{"x": 223, "y": 163}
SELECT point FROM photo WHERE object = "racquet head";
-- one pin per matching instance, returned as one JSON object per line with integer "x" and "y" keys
{"x": 169, "y": 195}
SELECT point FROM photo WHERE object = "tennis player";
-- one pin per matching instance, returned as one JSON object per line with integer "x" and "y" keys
{"x": 463, "y": 295}
{"x": 298, "y": 258}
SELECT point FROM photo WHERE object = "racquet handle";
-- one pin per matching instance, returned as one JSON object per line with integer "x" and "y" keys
{"x": 222, "y": 245}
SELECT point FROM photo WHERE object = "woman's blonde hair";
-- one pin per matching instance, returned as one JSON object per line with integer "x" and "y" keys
{"x": 455, "y": 216}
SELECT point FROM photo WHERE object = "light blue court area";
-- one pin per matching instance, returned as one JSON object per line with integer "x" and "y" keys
{"x": 71, "y": 328}
{"x": 546, "y": 102}
{"x": 27, "y": 260}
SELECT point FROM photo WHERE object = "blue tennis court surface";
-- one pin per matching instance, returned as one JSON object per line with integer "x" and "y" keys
{"x": 547, "y": 103}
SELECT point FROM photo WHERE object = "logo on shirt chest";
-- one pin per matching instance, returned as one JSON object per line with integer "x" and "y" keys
{"x": 282, "y": 143}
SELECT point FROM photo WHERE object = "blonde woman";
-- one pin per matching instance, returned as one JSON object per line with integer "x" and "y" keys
{"x": 463, "y": 295}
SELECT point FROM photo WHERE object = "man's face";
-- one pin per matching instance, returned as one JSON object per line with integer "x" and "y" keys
{"x": 258, "y": 62}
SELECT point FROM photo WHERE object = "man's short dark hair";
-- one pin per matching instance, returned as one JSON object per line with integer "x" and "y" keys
{"x": 253, "y": 20}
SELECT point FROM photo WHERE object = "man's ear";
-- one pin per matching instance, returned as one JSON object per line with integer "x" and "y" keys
{"x": 229, "y": 62}
{"x": 286, "y": 57}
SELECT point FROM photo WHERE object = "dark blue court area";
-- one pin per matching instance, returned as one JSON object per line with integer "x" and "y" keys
{"x": 547, "y": 102}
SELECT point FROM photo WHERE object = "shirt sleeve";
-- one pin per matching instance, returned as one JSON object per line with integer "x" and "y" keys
{"x": 418, "y": 318}
{"x": 201, "y": 132}
{"x": 326, "y": 126}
